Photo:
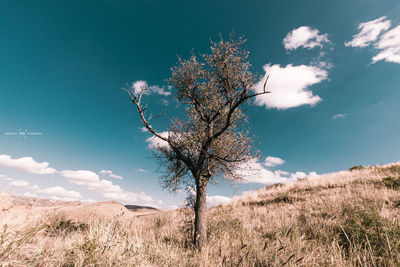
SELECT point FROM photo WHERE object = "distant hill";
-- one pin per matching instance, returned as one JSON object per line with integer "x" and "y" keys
{"x": 43, "y": 202}
{"x": 39, "y": 202}
{"x": 18, "y": 207}
{"x": 137, "y": 207}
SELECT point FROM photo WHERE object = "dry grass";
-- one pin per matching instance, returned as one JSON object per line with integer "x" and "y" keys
{"x": 349, "y": 218}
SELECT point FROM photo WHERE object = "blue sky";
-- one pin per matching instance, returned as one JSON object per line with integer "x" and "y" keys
{"x": 68, "y": 131}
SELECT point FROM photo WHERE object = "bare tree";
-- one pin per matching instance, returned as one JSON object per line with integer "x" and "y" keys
{"x": 213, "y": 139}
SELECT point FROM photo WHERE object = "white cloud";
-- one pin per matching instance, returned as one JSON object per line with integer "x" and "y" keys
{"x": 85, "y": 178}
{"x": 280, "y": 172}
{"x": 35, "y": 187}
{"x": 158, "y": 90}
{"x": 81, "y": 177}
{"x": 302, "y": 175}
{"x": 298, "y": 175}
{"x": 142, "y": 170}
{"x": 106, "y": 188}
{"x": 6, "y": 178}
{"x": 273, "y": 161}
{"x": 339, "y": 116}
{"x": 217, "y": 200}
{"x": 91, "y": 181}
{"x": 54, "y": 192}
{"x": 27, "y": 164}
{"x": 60, "y": 192}
{"x": 369, "y": 32}
{"x": 111, "y": 174}
{"x": 144, "y": 129}
{"x": 155, "y": 142}
{"x": 389, "y": 44}
{"x": 138, "y": 86}
{"x": 306, "y": 37}
{"x": 19, "y": 183}
{"x": 254, "y": 172}
{"x": 53, "y": 197}
{"x": 289, "y": 86}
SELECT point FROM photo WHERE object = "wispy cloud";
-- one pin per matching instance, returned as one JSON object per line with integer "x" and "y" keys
{"x": 27, "y": 164}
{"x": 273, "y": 161}
{"x": 305, "y": 37}
{"x": 217, "y": 200}
{"x": 376, "y": 32}
{"x": 389, "y": 44}
{"x": 339, "y": 116}
{"x": 289, "y": 86}
{"x": 142, "y": 170}
{"x": 369, "y": 32}
{"x": 138, "y": 86}
{"x": 155, "y": 142}
{"x": 111, "y": 174}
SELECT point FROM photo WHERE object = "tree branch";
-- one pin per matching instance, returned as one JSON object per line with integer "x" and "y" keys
{"x": 136, "y": 99}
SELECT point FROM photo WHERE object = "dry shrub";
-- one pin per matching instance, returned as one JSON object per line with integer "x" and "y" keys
{"x": 365, "y": 232}
{"x": 356, "y": 168}
{"x": 60, "y": 226}
{"x": 391, "y": 182}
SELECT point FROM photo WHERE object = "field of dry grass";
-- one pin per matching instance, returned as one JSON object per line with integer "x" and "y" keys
{"x": 349, "y": 218}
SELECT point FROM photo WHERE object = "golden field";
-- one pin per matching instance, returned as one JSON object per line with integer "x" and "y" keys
{"x": 349, "y": 218}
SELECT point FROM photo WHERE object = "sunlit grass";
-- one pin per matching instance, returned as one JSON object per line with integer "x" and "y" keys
{"x": 349, "y": 218}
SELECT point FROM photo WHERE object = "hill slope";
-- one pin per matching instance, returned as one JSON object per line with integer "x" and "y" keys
{"x": 15, "y": 210}
{"x": 349, "y": 218}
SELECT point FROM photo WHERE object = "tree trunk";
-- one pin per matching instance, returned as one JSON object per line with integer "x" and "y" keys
{"x": 200, "y": 220}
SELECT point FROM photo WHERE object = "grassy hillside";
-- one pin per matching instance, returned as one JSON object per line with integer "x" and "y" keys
{"x": 349, "y": 218}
